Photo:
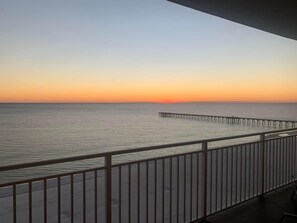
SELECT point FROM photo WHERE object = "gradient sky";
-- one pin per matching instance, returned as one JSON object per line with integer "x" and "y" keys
{"x": 137, "y": 50}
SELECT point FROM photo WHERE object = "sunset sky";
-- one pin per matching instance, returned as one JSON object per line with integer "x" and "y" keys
{"x": 137, "y": 51}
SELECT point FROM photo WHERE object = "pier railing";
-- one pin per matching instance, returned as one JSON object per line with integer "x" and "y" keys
{"x": 181, "y": 187}
{"x": 232, "y": 119}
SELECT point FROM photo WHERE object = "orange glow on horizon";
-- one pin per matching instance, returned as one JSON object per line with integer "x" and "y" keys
{"x": 159, "y": 90}
{"x": 158, "y": 96}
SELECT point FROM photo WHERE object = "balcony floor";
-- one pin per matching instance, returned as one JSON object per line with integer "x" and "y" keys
{"x": 269, "y": 210}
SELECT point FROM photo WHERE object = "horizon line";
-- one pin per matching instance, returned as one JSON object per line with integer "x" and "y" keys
{"x": 148, "y": 102}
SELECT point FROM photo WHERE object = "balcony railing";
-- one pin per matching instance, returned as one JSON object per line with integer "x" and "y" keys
{"x": 180, "y": 187}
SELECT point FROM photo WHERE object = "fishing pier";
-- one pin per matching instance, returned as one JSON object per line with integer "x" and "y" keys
{"x": 232, "y": 120}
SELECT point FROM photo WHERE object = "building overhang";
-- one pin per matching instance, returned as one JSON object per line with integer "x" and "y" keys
{"x": 274, "y": 16}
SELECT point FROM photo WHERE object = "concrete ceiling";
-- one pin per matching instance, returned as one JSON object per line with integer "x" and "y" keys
{"x": 274, "y": 16}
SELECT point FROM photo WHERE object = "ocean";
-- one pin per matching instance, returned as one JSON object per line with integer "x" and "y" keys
{"x": 41, "y": 131}
{"x": 30, "y": 132}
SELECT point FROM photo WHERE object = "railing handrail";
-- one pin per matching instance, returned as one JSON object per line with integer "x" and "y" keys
{"x": 131, "y": 150}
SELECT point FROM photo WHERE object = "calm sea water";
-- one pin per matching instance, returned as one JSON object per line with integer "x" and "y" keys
{"x": 31, "y": 132}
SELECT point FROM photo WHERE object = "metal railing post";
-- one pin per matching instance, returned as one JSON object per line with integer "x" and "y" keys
{"x": 204, "y": 149}
{"x": 108, "y": 188}
{"x": 262, "y": 146}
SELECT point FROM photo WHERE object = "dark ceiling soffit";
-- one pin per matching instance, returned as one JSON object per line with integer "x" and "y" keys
{"x": 273, "y": 16}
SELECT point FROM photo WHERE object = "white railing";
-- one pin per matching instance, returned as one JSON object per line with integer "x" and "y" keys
{"x": 183, "y": 187}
